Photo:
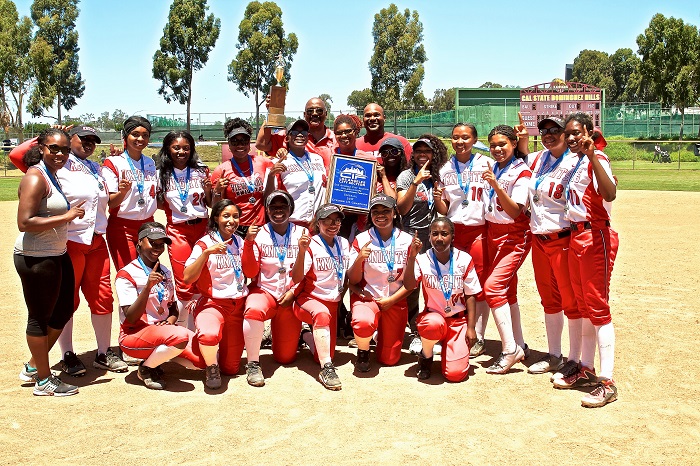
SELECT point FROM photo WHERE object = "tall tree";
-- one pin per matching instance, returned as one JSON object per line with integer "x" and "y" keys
{"x": 669, "y": 49}
{"x": 55, "y": 57}
{"x": 359, "y": 99}
{"x": 327, "y": 100}
{"x": 396, "y": 65}
{"x": 623, "y": 65}
{"x": 490, "y": 85}
{"x": 260, "y": 40}
{"x": 443, "y": 99}
{"x": 593, "y": 67}
{"x": 16, "y": 74}
{"x": 188, "y": 37}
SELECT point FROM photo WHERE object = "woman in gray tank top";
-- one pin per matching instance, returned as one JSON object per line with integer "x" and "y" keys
{"x": 41, "y": 259}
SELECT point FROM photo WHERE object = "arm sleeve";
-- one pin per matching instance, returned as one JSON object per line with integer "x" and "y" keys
{"x": 17, "y": 154}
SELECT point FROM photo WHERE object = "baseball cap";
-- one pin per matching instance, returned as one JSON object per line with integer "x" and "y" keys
{"x": 427, "y": 142}
{"x": 391, "y": 142}
{"x": 303, "y": 123}
{"x": 556, "y": 120}
{"x": 155, "y": 232}
{"x": 382, "y": 199}
{"x": 236, "y": 131}
{"x": 326, "y": 210}
{"x": 85, "y": 131}
{"x": 279, "y": 193}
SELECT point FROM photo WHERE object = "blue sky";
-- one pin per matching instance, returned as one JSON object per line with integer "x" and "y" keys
{"x": 467, "y": 43}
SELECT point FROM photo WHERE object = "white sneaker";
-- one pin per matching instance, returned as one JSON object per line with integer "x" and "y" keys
{"x": 416, "y": 344}
{"x": 505, "y": 361}
{"x": 53, "y": 386}
{"x": 548, "y": 363}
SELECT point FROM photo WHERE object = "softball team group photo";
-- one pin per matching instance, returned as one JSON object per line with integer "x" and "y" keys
{"x": 257, "y": 253}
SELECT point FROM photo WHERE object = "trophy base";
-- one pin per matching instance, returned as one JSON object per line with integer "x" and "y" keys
{"x": 275, "y": 120}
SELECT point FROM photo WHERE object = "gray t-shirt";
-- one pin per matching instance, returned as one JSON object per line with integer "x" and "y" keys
{"x": 422, "y": 212}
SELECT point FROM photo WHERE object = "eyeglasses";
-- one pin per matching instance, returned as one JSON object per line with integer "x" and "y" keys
{"x": 554, "y": 130}
{"x": 390, "y": 151}
{"x": 345, "y": 132}
{"x": 295, "y": 132}
{"x": 55, "y": 149}
{"x": 331, "y": 221}
{"x": 239, "y": 142}
{"x": 315, "y": 111}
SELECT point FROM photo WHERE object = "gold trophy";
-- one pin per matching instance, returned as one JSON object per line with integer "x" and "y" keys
{"x": 278, "y": 94}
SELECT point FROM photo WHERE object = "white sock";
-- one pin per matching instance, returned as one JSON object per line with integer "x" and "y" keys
{"x": 209, "y": 354}
{"x": 517, "y": 326}
{"x": 428, "y": 346}
{"x": 65, "y": 339}
{"x": 554, "y": 324}
{"x": 606, "y": 349}
{"x": 501, "y": 315}
{"x": 588, "y": 343}
{"x": 322, "y": 339}
{"x": 186, "y": 363}
{"x": 575, "y": 328}
{"x": 183, "y": 316}
{"x": 102, "y": 324}
{"x": 482, "y": 318}
{"x": 309, "y": 340}
{"x": 161, "y": 354}
{"x": 253, "y": 334}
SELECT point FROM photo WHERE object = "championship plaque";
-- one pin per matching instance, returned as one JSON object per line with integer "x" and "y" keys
{"x": 278, "y": 94}
{"x": 352, "y": 183}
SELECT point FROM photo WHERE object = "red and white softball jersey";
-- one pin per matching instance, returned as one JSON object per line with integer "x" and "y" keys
{"x": 117, "y": 168}
{"x": 195, "y": 202}
{"x": 584, "y": 202}
{"x": 296, "y": 182}
{"x": 375, "y": 270}
{"x": 546, "y": 192}
{"x": 321, "y": 280}
{"x": 464, "y": 281}
{"x": 238, "y": 189}
{"x": 270, "y": 279}
{"x": 218, "y": 277}
{"x": 81, "y": 181}
{"x": 515, "y": 183}
{"x": 477, "y": 193}
{"x": 131, "y": 280}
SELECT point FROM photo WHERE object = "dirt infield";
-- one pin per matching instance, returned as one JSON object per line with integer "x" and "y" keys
{"x": 387, "y": 416}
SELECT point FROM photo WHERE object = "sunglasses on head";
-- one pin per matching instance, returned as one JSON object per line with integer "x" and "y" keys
{"x": 55, "y": 149}
{"x": 554, "y": 130}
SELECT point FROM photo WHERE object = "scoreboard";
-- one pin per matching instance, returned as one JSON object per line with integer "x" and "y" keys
{"x": 558, "y": 98}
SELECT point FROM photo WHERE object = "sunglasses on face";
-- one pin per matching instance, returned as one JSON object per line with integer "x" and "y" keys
{"x": 295, "y": 132}
{"x": 55, "y": 149}
{"x": 554, "y": 130}
{"x": 345, "y": 132}
{"x": 239, "y": 142}
{"x": 314, "y": 111}
{"x": 87, "y": 140}
{"x": 390, "y": 151}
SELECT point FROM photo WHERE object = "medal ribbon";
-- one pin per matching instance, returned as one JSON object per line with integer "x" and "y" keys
{"x": 545, "y": 169}
{"x": 140, "y": 180}
{"x": 498, "y": 174}
{"x": 160, "y": 288}
{"x": 236, "y": 265}
{"x": 465, "y": 189}
{"x": 281, "y": 252}
{"x": 337, "y": 262}
{"x": 86, "y": 164}
{"x": 184, "y": 194}
{"x": 250, "y": 183}
{"x": 573, "y": 173}
{"x": 447, "y": 293}
{"x": 390, "y": 261}
{"x": 54, "y": 182}
{"x": 310, "y": 171}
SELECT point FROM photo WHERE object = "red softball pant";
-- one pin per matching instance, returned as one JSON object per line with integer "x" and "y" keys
{"x": 140, "y": 340}
{"x": 591, "y": 259}
{"x": 122, "y": 236}
{"x": 550, "y": 262}
{"x": 261, "y": 306}
{"x": 451, "y": 332}
{"x": 96, "y": 284}
{"x": 220, "y": 322}
{"x": 389, "y": 324}
{"x": 317, "y": 313}
{"x": 184, "y": 237}
{"x": 472, "y": 239}
{"x": 508, "y": 246}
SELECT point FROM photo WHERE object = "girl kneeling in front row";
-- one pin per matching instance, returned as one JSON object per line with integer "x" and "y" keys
{"x": 450, "y": 284}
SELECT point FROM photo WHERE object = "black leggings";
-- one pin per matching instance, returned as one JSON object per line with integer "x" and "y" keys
{"x": 48, "y": 285}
